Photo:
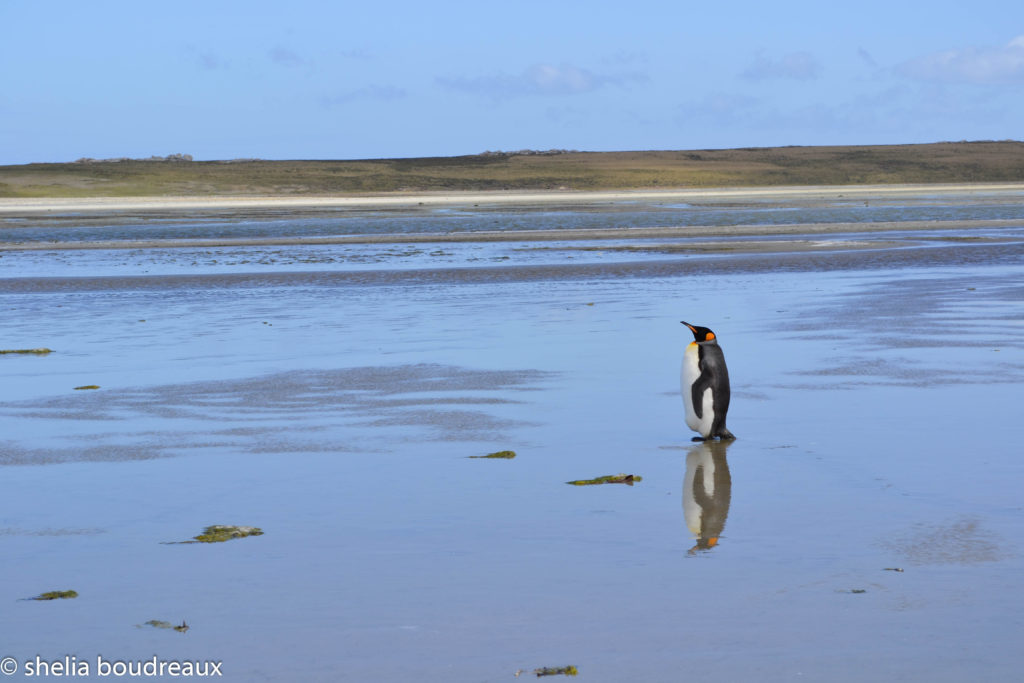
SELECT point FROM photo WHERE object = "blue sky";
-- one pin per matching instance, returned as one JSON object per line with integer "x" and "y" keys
{"x": 345, "y": 80}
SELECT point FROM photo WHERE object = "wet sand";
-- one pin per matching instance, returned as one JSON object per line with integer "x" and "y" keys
{"x": 876, "y": 400}
{"x": 648, "y": 234}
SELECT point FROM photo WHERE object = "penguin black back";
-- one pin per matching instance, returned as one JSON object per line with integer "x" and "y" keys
{"x": 705, "y": 385}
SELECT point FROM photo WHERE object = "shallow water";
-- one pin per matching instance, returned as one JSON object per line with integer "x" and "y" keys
{"x": 441, "y": 220}
{"x": 123, "y": 243}
{"x": 876, "y": 400}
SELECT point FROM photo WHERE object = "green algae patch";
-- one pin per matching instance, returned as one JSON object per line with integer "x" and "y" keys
{"x": 26, "y": 352}
{"x": 156, "y": 623}
{"x": 498, "y": 455}
{"x": 218, "y": 533}
{"x": 608, "y": 479}
{"x": 87, "y": 387}
{"x": 552, "y": 671}
{"x": 56, "y": 595}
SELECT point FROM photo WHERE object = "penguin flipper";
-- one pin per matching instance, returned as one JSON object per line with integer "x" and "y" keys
{"x": 697, "y": 392}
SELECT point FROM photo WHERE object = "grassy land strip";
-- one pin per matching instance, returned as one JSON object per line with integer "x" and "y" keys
{"x": 961, "y": 162}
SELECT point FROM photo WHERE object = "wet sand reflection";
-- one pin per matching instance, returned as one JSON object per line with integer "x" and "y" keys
{"x": 707, "y": 491}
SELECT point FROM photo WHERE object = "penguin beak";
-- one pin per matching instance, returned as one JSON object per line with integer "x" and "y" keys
{"x": 688, "y": 325}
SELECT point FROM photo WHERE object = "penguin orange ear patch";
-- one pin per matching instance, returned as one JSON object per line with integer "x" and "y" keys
{"x": 709, "y": 336}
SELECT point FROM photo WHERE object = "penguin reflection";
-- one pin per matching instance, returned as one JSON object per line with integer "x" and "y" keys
{"x": 707, "y": 489}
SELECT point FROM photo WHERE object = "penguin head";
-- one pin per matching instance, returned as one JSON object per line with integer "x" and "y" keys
{"x": 700, "y": 334}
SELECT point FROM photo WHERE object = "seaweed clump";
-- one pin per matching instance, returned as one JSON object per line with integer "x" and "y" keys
{"x": 552, "y": 671}
{"x": 35, "y": 352}
{"x": 503, "y": 455}
{"x": 56, "y": 595}
{"x": 627, "y": 479}
{"x": 87, "y": 386}
{"x": 156, "y": 623}
{"x": 218, "y": 533}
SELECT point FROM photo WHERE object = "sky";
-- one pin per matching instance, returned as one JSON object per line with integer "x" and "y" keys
{"x": 306, "y": 79}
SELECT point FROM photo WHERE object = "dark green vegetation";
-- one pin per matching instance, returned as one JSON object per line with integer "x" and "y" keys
{"x": 157, "y": 623}
{"x": 556, "y": 671}
{"x": 607, "y": 479}
{"x": 34, "y": 352}
{"x": 499, "y": 455}
{"x": 945, "y": 162}
{"x": 218, "y": 533}
{"x": 56, "y": 595}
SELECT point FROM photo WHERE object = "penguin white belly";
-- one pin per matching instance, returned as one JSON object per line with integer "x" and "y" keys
{"x": 690, "y": 374}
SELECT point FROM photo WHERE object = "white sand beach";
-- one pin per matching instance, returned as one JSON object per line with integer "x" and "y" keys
{"x": 17, "y": 206}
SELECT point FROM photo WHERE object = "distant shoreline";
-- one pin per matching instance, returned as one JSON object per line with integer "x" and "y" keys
{"x": 10, "y": 207}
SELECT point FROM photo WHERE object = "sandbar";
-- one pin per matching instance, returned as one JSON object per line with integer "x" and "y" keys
{"x": 21, "y": 206}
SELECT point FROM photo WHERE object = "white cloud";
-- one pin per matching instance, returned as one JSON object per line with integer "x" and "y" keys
{"x": 800, "y": 66}
{"x": 541, "y": 79}
{"x": 984, "y": 65}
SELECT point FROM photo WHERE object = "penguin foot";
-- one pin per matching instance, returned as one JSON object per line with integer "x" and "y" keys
{"x": 728, "y": 436}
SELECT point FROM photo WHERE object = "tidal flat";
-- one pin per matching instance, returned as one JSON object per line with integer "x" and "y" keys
{"x": 335, "y": 395}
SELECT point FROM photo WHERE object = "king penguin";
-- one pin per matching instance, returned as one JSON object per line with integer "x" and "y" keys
{"x": 704, "y": 381}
